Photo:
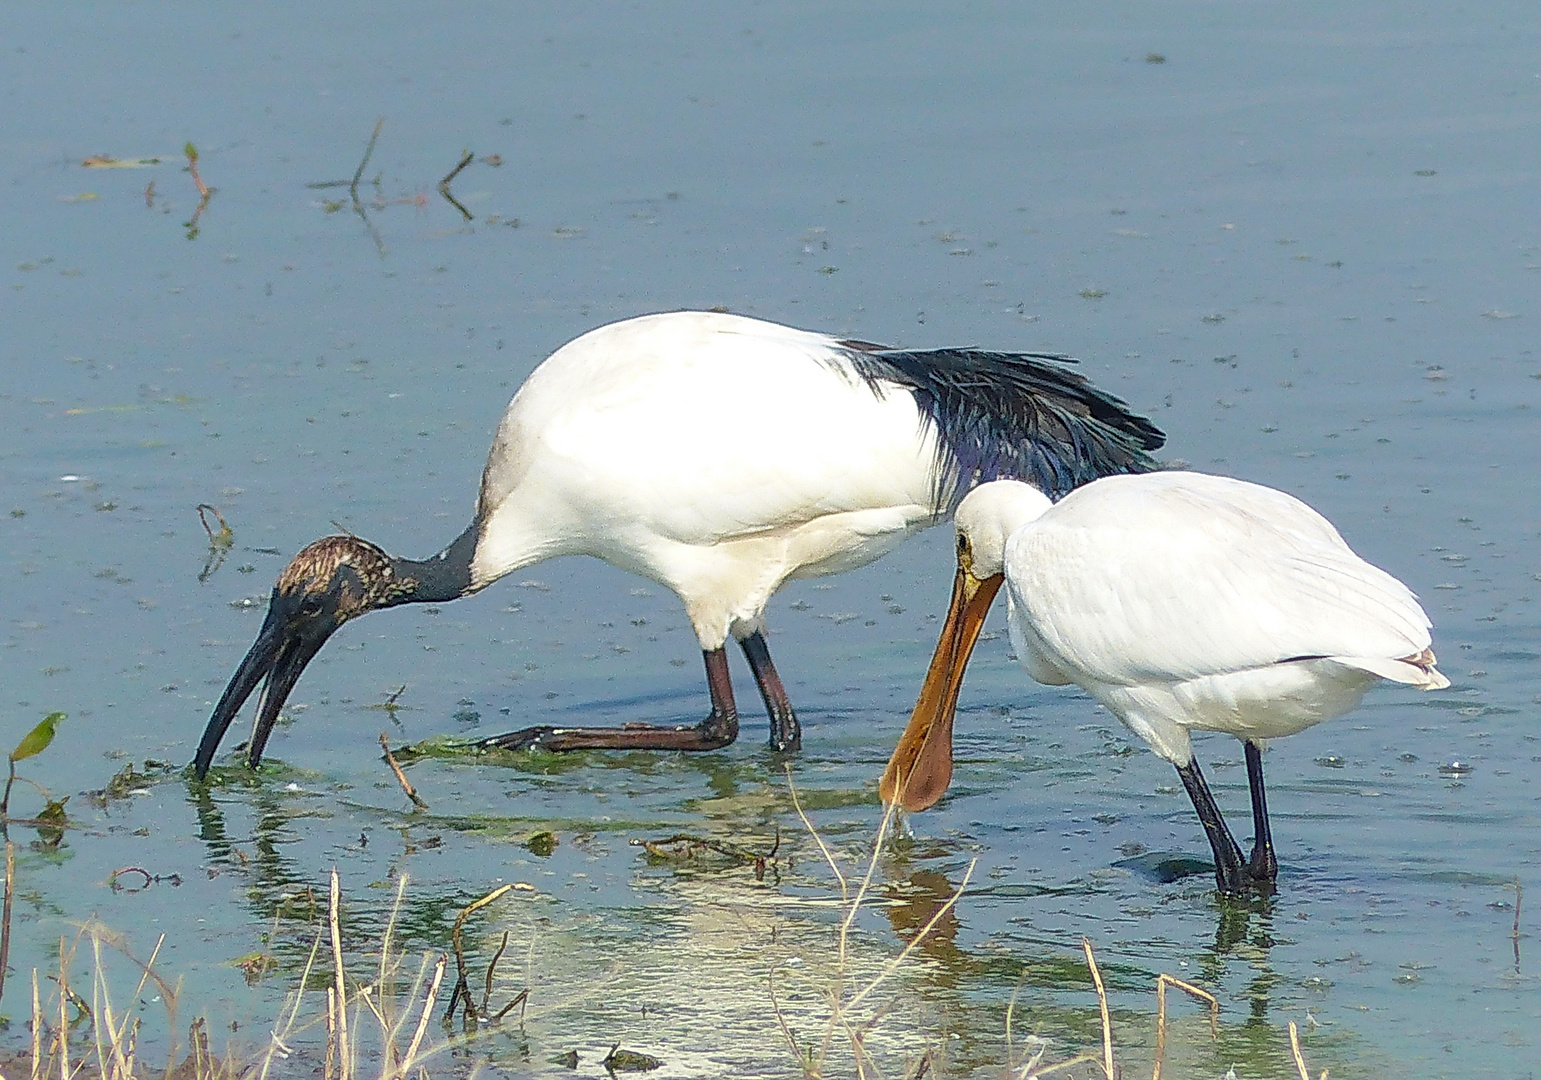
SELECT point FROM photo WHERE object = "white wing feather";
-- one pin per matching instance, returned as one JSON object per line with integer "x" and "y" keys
{"x": 1181, "y": 575}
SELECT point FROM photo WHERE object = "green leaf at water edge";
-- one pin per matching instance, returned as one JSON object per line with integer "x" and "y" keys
{"x": 37, "y": 740}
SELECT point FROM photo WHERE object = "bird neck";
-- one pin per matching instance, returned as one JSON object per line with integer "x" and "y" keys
{"x": 445, "y": 576}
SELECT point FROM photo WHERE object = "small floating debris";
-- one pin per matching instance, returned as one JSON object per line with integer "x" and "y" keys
{"x": 107, "y": 161}
{"x": 1331, "y": 761}
{"x": 619, "y": 1060}
{"x": 1455, "y": 768}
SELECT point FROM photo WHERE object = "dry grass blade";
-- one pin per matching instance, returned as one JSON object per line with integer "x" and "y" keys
{"x": 1102, "y": 1004}
{"x": 277, "y": 1041}
{"x": 1162, "y": 982}
{"x": 37, "y": 1029}
{"x": 916, "y": 941}
{"x": 841, "y": 1006}
{"x": 422, "y": 1020}
{"x": 340, "y": 1023}
{"x": 1300, "y": 1061}
{"x": 813, "y": 832}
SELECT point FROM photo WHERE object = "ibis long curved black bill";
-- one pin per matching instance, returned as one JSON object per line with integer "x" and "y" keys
{"x": 279, "y": 655}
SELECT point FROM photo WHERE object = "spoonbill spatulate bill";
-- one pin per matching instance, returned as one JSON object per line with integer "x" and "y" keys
{"x": 1180, "y": 601}
{"x": 720, "y": 456}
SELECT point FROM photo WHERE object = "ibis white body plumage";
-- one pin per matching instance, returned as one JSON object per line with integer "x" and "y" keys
{"x": 717, "y": 455}
{"x": 618, "y": 446}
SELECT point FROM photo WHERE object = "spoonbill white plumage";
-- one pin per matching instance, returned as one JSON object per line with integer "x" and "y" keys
{"x": 1179, "y": 601}
{"x": 718, "y": 455}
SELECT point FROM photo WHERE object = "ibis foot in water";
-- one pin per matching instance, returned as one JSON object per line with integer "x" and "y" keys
{"x": 716, "y": 731}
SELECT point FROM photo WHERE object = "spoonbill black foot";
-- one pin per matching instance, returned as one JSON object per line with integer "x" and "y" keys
{"x": 721, "y": 457}
{"x": 1230, "y": 873}
{"x": 1262, "y": 867}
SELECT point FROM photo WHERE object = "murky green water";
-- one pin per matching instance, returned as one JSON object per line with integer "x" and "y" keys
{"x": 1305, "y": 241}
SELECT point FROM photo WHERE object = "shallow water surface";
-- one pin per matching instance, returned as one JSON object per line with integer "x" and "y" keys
{"x": 1303, "y": 242}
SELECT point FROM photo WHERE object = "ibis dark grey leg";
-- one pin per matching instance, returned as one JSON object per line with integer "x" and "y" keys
{"x": 716, "y": 731}
{"x": 785, "y": 732}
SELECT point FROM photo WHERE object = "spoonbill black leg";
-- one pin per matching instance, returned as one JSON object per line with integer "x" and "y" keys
{"x": 716, "y": 731}
{"x": 1230, "y": 877}
{"x": 1262, "y": 867}
{"x": 785, "y": 732}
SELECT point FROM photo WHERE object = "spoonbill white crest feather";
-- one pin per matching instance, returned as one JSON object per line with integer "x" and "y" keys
{"x": 1179, "y": 601}
{"x": 719, "y": 456}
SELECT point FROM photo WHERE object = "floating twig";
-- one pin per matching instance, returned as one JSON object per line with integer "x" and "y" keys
{"x": 220, "y": 542}
{"x": 192, "y": 166}
{"x": 1514, "y": 935}
{"x": 444, "y": 184}
{"x": 204, "y": 191}
{"x": 352, "y": 186}
{"x": 226, "y": 535}
{"x": 369, "y": 150}
{"x": 401, "y": 777}
{"x": 112, "y": 878}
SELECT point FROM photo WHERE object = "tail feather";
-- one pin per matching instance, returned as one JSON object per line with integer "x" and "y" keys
{"x": 1417, "y": 670}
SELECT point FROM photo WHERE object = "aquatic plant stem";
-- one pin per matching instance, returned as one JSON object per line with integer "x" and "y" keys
{"x": 5, "y": 917}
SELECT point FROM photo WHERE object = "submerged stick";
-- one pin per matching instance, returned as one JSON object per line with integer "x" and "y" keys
{"x": 401, "y": 777}
{"x": 462, "y": 985}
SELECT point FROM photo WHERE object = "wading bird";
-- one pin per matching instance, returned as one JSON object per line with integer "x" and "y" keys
{"x": 717, "y": 455}
{"x": 1179, "y": 601}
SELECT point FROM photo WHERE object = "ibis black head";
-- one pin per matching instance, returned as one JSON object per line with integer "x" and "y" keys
{"x": 333, "y": 580}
